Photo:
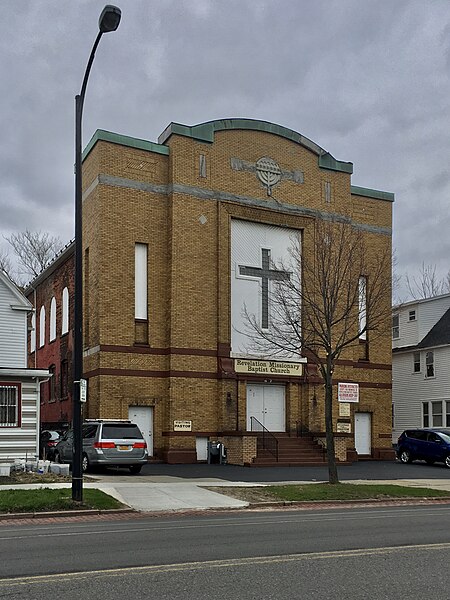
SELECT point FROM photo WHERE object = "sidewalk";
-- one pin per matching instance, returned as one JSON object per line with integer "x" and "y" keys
{"x": 147, "y": 495}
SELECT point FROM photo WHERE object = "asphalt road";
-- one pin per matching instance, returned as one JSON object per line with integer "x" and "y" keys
{"x": 371, "y": 470}
{"x": 354, "y": 553}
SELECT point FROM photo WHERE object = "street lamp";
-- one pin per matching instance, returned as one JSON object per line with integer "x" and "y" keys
{"x": 109, "y": 21}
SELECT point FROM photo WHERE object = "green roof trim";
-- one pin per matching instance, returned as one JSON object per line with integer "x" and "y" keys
{"x": 368, "y": 193}
{"x": 204, "y": 132}
{"x": 124, "y": 140}
{"x": 326, "y": 161}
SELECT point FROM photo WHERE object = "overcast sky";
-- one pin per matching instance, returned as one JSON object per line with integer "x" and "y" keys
{"x": 368, "y": 80}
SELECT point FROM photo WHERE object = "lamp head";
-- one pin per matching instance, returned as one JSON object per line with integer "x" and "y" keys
{"x": 109, "y": 19}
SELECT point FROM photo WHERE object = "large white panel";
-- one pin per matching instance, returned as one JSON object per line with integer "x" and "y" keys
{"x": 248, "y": 240}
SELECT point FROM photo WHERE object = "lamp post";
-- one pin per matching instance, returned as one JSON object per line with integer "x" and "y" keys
{"x": 109, "y": 21}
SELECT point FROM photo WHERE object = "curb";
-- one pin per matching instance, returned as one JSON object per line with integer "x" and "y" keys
{"x": 360, "y": 502}
{"x": 65, "y": 513}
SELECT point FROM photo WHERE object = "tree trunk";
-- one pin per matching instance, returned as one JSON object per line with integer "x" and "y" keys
{"x": 331, "y": 456}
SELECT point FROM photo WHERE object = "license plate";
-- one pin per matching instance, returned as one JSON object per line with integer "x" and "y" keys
{"x": 123, "y": 447}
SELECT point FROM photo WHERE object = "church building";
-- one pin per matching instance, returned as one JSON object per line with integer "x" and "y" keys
{"x": 180, "y": 243}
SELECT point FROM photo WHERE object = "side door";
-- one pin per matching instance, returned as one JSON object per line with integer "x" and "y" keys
{"x": 437, "y": 449}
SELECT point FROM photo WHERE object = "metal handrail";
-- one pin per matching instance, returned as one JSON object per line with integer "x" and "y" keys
{"x": 266, "y": 439}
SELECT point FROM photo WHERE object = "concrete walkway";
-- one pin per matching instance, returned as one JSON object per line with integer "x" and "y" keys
{"x": 176, "y": 494}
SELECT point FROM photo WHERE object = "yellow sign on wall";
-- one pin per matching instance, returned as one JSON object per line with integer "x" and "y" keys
{"x": 182, "y": 425}
{"x": 268, "y": 367}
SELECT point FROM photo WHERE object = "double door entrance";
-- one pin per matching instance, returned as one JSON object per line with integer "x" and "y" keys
{"x": 266, "y": 403}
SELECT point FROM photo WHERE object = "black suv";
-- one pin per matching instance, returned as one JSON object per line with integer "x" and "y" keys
{"x": 106, "y": 443}
{"x": 430, "y": 445}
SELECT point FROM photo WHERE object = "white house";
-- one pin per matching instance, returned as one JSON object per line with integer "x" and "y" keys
{"x": 421, "y": 364}
{"x": 19, "y": 385}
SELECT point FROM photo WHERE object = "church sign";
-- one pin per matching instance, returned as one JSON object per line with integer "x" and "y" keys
{"x": 268, "y": 367}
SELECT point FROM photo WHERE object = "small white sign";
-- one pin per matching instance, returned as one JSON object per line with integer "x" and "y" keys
{"x": 344, "y": 428}
{"x": 348, "y": 392}
{"x": 180, "y": 425}
{"x": 344, "y": 409}
{"x": 83, "y": 390}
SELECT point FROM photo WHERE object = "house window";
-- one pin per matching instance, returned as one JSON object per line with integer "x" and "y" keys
{"x": 65, "y": 311}
{"x": 416, "y": 362}
{"x": 42, "y": 327}
{"x": 52, "y": 319}
{"x": 429, "y": 364}
{"x": 395, "y": 327}
{"x": 425, "y": 414}
{"x": 412, "y": 315}
{"x": 33, "y": 333}
{"x": 52, "y": 384}
{"x": 447, "y": 414}
{"x": 64, "y": 379}
{"x": 9, "y": 405}
{"x": 436, "y": 414}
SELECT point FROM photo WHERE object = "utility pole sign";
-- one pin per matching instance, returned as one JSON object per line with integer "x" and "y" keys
{"x": 83, "y": 390}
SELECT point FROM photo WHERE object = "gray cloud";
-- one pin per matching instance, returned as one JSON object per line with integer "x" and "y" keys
{"x": 368, "y": 81}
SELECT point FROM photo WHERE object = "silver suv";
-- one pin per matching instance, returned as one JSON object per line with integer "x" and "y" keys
{"x": 106, "y": 443}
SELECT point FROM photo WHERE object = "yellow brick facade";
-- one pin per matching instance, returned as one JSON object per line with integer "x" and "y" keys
{"x": 158, "y": 194}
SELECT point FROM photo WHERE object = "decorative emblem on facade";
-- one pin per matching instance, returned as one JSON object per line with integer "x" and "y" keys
{"x": 268, "y": 172}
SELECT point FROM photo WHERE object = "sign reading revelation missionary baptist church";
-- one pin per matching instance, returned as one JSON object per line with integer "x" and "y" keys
{"x": 268, "y": 367}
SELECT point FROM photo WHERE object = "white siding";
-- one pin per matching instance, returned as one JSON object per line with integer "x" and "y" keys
{"x": 410, "y": 389}
{"x": 13, "y": 331}
{"x": 428, "y": 313}
{"x": 22, "y": 442}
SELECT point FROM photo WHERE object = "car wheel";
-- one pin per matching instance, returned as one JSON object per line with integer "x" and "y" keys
{"x": 137, "y": 468}
{"x": 447, "y": 461}
{"x": 430, "y": 461}
{"x": 84, "y": 463}
{"x": 405, "y": 456}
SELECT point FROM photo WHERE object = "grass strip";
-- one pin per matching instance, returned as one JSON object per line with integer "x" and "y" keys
{"x": 350, "y": 491}
{"x": 16, "y": 501}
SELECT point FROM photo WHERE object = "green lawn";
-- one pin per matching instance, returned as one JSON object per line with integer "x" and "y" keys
{"x": 350, "y": 491}
{"x": 15, "y": 501}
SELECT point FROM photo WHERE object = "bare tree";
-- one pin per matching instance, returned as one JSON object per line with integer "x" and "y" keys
{"x": 427, "y": 284}
{"x": 336, "y": 296}
{"x": 33, "y": 251}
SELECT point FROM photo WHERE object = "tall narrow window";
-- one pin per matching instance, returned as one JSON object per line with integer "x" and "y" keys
{"x": 65, "y": 311}
{"x": 64, "y": 379}
{"x": 52, "y": 319}
{"x": 436, "y": 413}
{"x": 395, "y": 327}
{"x": 362, "y": 314}
{"x": 425, "y": 414}
{"x": 140, "y": 293}
{"x": 429, "y": 364}
{"x": 42, "y": 327}
{"x": 416, "y": 362}
{"x": 33, "y": 333}
{"x": 52, "y": 384}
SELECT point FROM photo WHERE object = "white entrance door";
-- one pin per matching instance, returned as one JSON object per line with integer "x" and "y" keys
{"x": 363, "y": 431}
{"x": 143, "y": 417}
{"x": 267, "y": 404}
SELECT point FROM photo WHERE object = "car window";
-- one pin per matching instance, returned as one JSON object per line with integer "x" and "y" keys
{"x": 445, "y": 437}
{"x": 433, "y": 437}
{"x": 89, "y": 431}
{"x": 125, "y": 431}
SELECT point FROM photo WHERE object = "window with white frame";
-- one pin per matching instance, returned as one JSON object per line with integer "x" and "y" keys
{"x": 65, "y": 311}
{"x": 42, "y": 327}
{"x": 362, "y": 313}
{"x": 395, "y": 327}
{"x": 52, "y": 319}
{"x": 140, "y": 281}
{"x": 33, "y": 333}
{"x": 416, "y": 362}
{"x": 436, "y": 414}
{"x": 429, "y": 364}
{"x": 412, "y": 315}
{"x": 9, "y": 405}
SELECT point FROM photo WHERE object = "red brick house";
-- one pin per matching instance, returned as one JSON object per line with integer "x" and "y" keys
{"x": 50, "y": 340}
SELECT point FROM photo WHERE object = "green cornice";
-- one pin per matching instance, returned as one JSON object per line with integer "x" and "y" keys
{"x": 204, "y": 132}
{"x": 376, "y": 194}
{"x": 123, "y": 140}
